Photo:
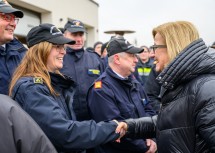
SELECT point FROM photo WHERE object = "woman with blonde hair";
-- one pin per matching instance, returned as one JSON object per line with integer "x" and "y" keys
{"x": 47, "y": 95}
{"x": 186, "y": 121}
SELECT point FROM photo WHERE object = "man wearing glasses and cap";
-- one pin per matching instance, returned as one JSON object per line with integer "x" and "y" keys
{"x": 11, "y": 50}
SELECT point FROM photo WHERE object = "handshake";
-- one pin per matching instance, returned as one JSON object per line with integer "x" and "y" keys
{"x": 144, "y": 127}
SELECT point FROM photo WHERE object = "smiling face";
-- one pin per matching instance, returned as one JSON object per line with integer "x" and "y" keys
{"x": 7, "y": 26}
{"x": 78, "y": 37}
{"x": 161, "y": 56}
{"x": 55, "y": 58}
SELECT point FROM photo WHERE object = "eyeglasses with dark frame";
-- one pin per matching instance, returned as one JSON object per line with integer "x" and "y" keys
{"x": 154, "y": 47}
{"x": 59, "y": 48}
{"x": 9, "y": 17}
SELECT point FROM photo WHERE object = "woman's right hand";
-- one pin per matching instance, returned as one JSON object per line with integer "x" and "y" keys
{"x": 121, "y": 128}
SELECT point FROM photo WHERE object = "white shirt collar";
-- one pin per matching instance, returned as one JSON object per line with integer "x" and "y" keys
{"x": 120, "y": 75}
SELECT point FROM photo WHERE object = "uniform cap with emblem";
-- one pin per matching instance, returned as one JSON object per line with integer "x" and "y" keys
{"x": 5, "y": 7}
{"x": 47, "y": 32}
{"x": 119, "y": 45}
{"x": 74, "y": 26}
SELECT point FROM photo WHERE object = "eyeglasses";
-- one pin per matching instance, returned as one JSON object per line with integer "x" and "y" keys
{"x": 145, "y": 51}
{"x": 154, "y": 47}
{"x": 58, "y": 47}
{"x": 9, "y": 17}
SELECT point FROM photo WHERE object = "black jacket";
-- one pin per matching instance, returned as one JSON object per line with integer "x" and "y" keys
{"x": 152, "y": 88}
{"x": 186, "y": 122}
{"x": 19, "y": 133}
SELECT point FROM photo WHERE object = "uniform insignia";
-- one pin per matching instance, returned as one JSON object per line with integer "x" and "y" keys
{"x": 77, "y": 23}
{"x": 94, "y": 71}
{"x": 38, "y": 80}
{"x": 98, "y": 85}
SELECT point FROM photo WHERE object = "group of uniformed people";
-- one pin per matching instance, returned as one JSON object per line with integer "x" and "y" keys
{"x": 83, "y": 104}
{"x": 50, "y": 81}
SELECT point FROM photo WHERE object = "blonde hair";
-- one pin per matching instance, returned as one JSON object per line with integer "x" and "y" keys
{"x": 177, "y": 35}
{"x": 34, "y": 65}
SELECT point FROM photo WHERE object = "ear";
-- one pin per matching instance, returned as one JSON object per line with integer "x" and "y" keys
{"x": 117, "y": 59}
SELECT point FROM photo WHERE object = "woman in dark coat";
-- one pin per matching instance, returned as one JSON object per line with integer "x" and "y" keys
{"x": 186, "y": 122}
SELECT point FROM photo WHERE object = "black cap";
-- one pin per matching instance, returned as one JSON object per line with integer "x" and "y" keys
{"x": 5, "y": 7}
{"x": 119, "y": 44}
{"x": 47, "y": 32}
{"x": 74, "y": 26}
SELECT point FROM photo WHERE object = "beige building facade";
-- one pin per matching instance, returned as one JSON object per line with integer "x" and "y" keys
{"x": 57, "y": 12}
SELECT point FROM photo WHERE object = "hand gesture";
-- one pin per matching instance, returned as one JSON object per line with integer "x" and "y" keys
{"x": 121, "y": 128}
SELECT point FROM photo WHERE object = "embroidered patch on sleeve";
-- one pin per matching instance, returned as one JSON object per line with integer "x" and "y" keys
{"x": 98, "y": 85}
{"x": 94, "y": 71}
{"x": 38, "y": 80}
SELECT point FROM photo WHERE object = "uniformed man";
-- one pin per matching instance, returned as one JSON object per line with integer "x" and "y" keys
{"x": 116, "y": 94}
{"x": 83, "y": 66}
{"x": 11, "y": 50}
{"x": 144, "y": 65}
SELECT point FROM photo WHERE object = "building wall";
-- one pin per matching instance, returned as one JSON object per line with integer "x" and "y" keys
{"x": 58, "y": 12}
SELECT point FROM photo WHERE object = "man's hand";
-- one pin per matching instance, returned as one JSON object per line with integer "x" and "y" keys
{"x": 152, "y": 146}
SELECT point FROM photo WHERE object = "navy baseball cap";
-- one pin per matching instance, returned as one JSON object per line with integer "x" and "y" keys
{"x": 47, "y": 32}
{"x": 5, "y": 7}
{"x": 119, "y": 45}
{"x": 74, "y": 26}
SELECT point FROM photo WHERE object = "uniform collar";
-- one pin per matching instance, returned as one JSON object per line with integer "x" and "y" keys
{"x": 130, "y": 81}
{"x": 123, "y": 78}
{"x": 78, "y": 53}
{"x": 61, "y": 81}
{"x": 2, "y": 50}
{"x": 13, "y": 47}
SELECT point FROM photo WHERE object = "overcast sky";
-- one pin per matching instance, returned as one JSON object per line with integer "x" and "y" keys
{"x": 143, "y": 15}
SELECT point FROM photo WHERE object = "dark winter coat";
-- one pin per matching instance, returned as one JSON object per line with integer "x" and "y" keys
{"x": 84, "y": 67}
{"x": 19, "y": 132}
{"x": 186, "y": 122}
{"x": 10, "y": 57}
{"x": 112, "y": 97}
{"x": 56, "y": 117}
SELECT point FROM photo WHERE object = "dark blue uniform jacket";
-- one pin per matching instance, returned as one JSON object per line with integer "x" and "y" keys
{"x": 112, "y": 97}
{"x": 56, "y": 117}
{"x": 9, "y": 60}
{"x": 84, "y": 67}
